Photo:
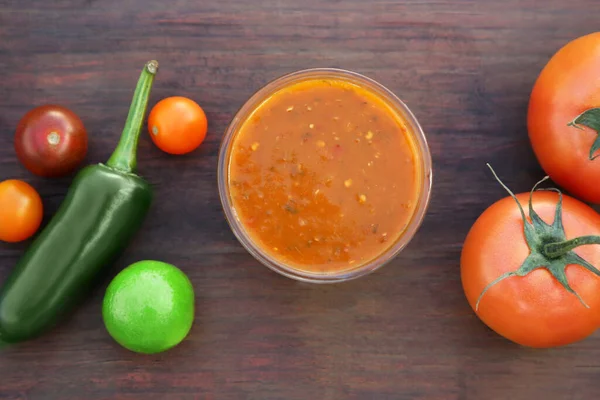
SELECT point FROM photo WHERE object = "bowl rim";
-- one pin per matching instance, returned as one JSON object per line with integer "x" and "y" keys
{"x": 386, "y": 95}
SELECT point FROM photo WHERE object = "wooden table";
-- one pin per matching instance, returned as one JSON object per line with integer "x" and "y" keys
{"x": 465, "y": 68}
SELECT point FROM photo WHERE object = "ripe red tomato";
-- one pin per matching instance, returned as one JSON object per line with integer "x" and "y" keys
{"x": 177, "y": 125}
{"x": 566, "y": 87}
{"x": 535, "y": 309}
{"x": 51, "y": 141}
{"x": 21, "y": 211}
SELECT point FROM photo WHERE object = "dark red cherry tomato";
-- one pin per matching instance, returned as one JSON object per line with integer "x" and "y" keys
{"x": 51, "y": 141}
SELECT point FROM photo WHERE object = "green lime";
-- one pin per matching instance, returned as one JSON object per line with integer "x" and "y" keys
{"x": 149, "y": 307}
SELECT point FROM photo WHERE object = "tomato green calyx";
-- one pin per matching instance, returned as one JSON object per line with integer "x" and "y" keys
{"x": 554, "y": 250}
{"x": 124, "y": 157}
{"x": 548, "y": 245}
{"x": 591, "y": 119}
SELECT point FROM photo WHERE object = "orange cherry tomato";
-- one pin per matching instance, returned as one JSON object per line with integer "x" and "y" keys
{"x": 21, "y": 211}
{"x": 177, "y": 125}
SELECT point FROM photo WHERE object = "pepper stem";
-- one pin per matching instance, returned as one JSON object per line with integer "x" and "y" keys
{"x": 124, "y": 157}
{"x": 558, "y": 249}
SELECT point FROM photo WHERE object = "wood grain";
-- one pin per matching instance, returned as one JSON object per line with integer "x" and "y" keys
{"x": 465, "y": 68}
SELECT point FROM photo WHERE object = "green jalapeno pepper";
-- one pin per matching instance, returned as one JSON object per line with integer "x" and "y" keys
{"x": 104, "y": 207}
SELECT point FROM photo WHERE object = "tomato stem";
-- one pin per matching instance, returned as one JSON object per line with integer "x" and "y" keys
{"x": 559, "y": 249}
{"x": 591, "y": 119}
{"x": 548, "y": 246}
{"x": 53, "y": 138}
{"x": 124, "y": 157}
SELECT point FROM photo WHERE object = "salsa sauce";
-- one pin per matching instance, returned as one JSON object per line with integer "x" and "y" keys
{"x": 323, "y": 176}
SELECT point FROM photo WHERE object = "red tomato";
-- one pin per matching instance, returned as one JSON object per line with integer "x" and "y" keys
{"x": 532, "y": 310}
{"x": 51, "y": 141}
{"x": 177, "y": 125}
{"x": 21, "y": 211}
{"x": 567, "y": 86}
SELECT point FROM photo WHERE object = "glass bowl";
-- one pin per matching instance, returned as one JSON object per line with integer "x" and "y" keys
{"x": 423, "y": 164}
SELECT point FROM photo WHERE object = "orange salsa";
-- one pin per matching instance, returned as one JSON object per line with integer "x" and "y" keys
{"x": 323, "y": 175}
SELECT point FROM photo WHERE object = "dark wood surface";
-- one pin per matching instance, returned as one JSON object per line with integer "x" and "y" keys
{"x": 465, "y": 68}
